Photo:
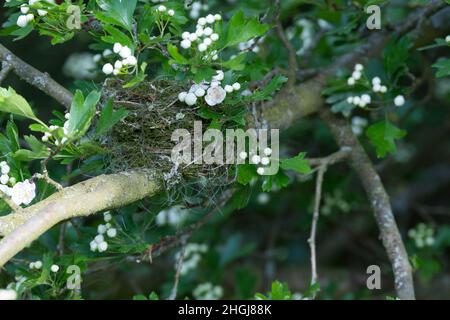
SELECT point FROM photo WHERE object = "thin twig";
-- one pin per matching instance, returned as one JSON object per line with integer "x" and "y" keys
{"x": 312, "y": 237}
{"x": 293, "y": 64}
{"x": 173, "y": 294}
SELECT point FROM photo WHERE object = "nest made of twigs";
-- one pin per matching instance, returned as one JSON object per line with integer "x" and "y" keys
{"x": 142, "y": 140}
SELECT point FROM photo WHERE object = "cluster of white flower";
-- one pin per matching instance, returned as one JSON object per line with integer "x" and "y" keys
{"x": 192, "y": 256}
{"x": 358, "y": 125}
{"x": 249, "y": 45}
{"x": 377, "y": 86}
{"x": 360, "y": 101}
{"x": 204, "y": 35}
{"x": 422, "y": 235}
{"x": 122, "y": 65}
{"x": 35, "y": 265}
{"x": 196, "y": 8}
{"x": 207, "y": 291}
{"x": 213, "y": 92}
{"x": 447, "y": 39}
{"x": 26, "y": 17}
{"x": 263, "y": 160}
{"x": 99, "y": 243}
{"x": 173, "y": 216}
{"x": 356, "y": 75}
{"x": 163, "y": 9}
{"x": 56, "y": 134}
{"x": 22, "y": 192}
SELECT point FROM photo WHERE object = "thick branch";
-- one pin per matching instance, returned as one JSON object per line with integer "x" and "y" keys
{"x": 40, "y": 80}
{"x": 379, "y": 201}
{"x": 101, "y": 193}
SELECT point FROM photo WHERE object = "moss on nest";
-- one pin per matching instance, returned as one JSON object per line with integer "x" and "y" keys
{"x": 142, "y": 140}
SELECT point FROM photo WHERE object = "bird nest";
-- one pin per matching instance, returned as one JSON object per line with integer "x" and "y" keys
{"x": 142, "y": 140}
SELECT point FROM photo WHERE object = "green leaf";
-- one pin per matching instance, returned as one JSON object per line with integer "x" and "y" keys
{"x": 383, "y": 135}
{"x": 178, "y": 58}
{"x": 396, "y": 54}
{"x": 118, "y": 12}
{"x": 267, "y": 92}
{"x": 14, "y": 103}
{"x": 241, "y": 29}
{"x": 13, "y": 135}
{"x": 241, "y": 197}
{"x": 81, "y": 113}
{"x": 116, "y": 36}
{"x": 246, "y": 173}
{"x": 443, "y": 67}
{"x": 236, "y": 63}
{"x": 108, "y": 118}
{"x": 298, "y": 164}
{"x": 275, "y": 182}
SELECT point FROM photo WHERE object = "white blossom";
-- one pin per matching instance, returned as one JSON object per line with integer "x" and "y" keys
{"x": 236, "y": 86}
{"x": 22, "y": 21}
{"x": 260, "y": 171}
{"x": 108, "y": 68}
{"x": 4, "y": 179}
{"x": 208, "y": 31}
{"x": 117, "y": 47}
{"x": 200, "y": 92}
{"x": 214, "y": 37}
{"x": 265, "y": 161}
{"x": 182, "y": 96}
{"x": 101, "y": 229}
{"x": 54, "y": 268}
{"x": 185, "y": 44}
{"x": 215, "y": 95}
{"x": 125, "y": 52}
{"x": 112, "y": 233}
{"x": 399, "y": 100}
{"x": 229, "y": 88}
{"x": 190, "y": 99}
{"x": 103, "y": 246}
{"x": 267, "y": 151}
{"x": 42, "y": 13}
{"x": 256, "y": 159}
{"x": 23, "y": 192}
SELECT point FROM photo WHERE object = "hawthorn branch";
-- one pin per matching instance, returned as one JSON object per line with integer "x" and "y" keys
{"x": 36, "y": 78}
{"x": 98, "y": 194}
{"x": 6, "y": 68}
{"x": 379, "y": 201}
